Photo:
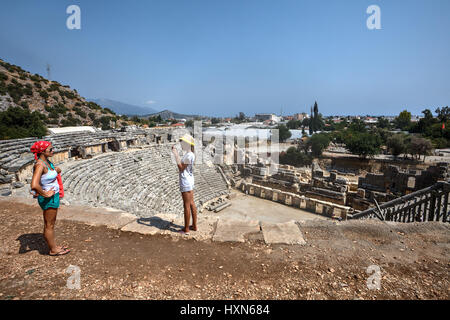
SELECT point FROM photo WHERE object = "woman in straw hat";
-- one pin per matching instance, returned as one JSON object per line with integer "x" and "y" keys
{"x": 45, "y": 184}
{"x": 186, "y": 178}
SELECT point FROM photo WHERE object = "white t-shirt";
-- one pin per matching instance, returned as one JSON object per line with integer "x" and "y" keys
{"x": 187, "y": 176}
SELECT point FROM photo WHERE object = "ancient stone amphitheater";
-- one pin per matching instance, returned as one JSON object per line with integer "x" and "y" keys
{"x": 127, "y": 170}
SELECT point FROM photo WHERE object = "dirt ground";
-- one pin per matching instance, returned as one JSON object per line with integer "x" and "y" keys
{"x": 413, "y": 259}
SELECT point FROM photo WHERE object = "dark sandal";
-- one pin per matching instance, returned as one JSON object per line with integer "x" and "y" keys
{"x": 60, "y": 253}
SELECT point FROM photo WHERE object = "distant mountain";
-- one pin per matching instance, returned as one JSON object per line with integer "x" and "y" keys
{"x": 123, "y": 108}
{"x": 167, "y": 114}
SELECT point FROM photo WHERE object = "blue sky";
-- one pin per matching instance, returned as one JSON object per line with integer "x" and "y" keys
{"x": 222, "y": 57}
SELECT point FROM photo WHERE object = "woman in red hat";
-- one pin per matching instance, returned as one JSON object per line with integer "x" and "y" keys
{"x": 45, "y": 184}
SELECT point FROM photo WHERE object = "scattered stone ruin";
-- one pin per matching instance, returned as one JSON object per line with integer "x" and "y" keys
{"x": 331, "y": 192}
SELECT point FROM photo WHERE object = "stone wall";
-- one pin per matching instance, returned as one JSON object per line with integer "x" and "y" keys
{"x": 395, "y": 180}
{"x": 324, "y": 208}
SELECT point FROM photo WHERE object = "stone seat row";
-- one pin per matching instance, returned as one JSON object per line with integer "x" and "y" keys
{"x": 142, "y": 186}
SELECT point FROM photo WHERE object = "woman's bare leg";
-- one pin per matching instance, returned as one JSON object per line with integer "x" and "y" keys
{"x": 187, "y": 210}
{"x": 193, "y": 211}
{"x": 49, "y": 229}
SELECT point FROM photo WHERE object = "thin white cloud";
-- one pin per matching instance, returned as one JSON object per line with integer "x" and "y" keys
{"x": 150, "y": 102}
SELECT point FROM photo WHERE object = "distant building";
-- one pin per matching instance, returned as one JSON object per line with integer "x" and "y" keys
{"x": 266, "y": 116}
{"x": 72, "y": 129}
{"x": 300, "y": 116}
{"x": 370, "y": 120}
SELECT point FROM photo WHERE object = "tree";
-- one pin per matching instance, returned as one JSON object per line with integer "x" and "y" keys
{"x": 403, "y": 121}
{"x": 295, "y": 157}
{"x": 316, "y": 112}
{"x": 316, "y": 122}
{"x": 383, "y": 123}
{"x": 443, "y": 114}
{"x": 215, "y": 120}
{"x": 363, "y": 144}
{"x": 189, "y": 123}
{"x": 396, "y": 144}
{"x": 105, "y": 120}
{"x": 318, "y": 142}
{"x": 420, "y": 146}
{"x": 293, "y": 124}
{"x": 135, "y": 119}
{"x": 283, "y": 133}
{"x": 18, "y": 122}
{"x": 241, "y": 116}
{"x": 357, "y": 125}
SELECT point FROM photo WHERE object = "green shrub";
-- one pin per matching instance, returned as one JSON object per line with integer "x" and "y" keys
{"x": 92, "y": 116}
{"x": 21, "y": 123}
{"x": 70, "y": 121}
{"x": 3, "y": 88}
{"x": 364, "y": 144}
{"x": 295, "y": 157}
{"x": 110, "y": 111}
{"x": 319, "y": 142}
{"x": 16, "y": 91}
{"x": 53, "y": 87}
{"x": 105, "y": 122}
{"x": 80, "y": 112}
{"x": 93, "y": 105}
{"x": 43, "y": 94}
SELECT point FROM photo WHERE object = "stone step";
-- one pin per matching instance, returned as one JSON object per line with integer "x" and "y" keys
{"x": 282, "y": 233}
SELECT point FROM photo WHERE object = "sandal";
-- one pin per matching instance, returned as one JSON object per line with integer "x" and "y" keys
{"x": 183, "y": 232}
{"x": 62, "y": 252}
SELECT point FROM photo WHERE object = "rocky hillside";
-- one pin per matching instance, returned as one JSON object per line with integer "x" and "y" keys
{"x": 56, "y": 104}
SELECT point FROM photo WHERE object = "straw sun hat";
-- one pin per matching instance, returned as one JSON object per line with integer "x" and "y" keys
{"x": 188, "y": 138}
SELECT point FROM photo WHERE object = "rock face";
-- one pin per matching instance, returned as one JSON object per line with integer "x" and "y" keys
{"x": 143, "y": 182}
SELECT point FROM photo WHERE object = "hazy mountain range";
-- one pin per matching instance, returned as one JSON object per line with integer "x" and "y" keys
{"x": 143, "y": 112}
{"x": 124, "y": 108}
{"x": 167, "y": 114}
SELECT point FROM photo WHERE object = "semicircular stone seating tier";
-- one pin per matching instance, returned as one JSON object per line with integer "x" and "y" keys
{"x": 15, "y": 153}
{"x": 143, "y": 182}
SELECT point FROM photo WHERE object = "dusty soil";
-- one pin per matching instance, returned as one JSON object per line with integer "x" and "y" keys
{"x": 414, "y": 262}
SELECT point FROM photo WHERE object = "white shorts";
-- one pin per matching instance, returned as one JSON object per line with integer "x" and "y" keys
{"x": 186, "y": 188}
